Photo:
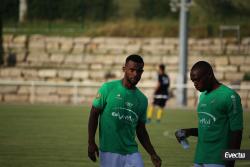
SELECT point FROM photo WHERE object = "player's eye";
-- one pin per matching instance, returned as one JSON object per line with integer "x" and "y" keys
{"x": 140, "y": 71}
{"x": 132, "y": 70}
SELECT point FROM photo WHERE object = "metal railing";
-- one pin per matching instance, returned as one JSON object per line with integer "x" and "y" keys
{"x": 33, "y": 84}
{"x": 76, "y": 85}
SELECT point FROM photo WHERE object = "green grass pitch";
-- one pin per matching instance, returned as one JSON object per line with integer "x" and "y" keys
{"x": 56, "y": 136}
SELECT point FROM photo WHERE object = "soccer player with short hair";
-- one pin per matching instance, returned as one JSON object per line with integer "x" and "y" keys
{"x": 121, "y": 109}
{"x": 160, "y": 94}
{"x": 220, "y": 118}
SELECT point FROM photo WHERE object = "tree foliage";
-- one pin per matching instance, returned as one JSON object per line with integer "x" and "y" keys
{"x": 224, "y": 8}
{"x": 150, "y": 9}
{"x": 73, "y": 11}
{"x": 2, "y": 12}
{"x": 10, "y": 9}
{"x": 242, "y": 6}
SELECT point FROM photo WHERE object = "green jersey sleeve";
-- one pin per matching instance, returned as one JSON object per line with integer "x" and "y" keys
{"x": 101, "y": 96}
{"x": 235, "y": 112}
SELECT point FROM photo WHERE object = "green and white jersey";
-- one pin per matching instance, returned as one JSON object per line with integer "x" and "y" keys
{"x": 219, "y": 112}
{"x": 122, "y": 110}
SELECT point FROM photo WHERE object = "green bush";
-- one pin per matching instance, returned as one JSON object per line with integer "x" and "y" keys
{"x": 71, "y": 11}
{"x": 45, "y": 9}
{"x": 150, "y": 9}
{"x": 223, "y": 9}
{"x": 216, "y": 8}
{"x": 1, "y": 40}
{"x": 242, "y": 6}
{"x": 100, "y": 9}
{"x": 9, "y": 9}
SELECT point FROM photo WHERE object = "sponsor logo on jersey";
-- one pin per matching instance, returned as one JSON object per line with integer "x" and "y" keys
{"x": 122, "y": 117}
{"x": 125, "y": 114}
{"x": 206, "y": 119}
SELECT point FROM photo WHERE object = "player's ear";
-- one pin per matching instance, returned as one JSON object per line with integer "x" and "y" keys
{"x": 123, "y": 68}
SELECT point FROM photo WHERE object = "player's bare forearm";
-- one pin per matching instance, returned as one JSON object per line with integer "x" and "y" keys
{"x": 93, "y": 123}
{"x": 234, "y": 143}
{"x": 144, "y": 139}
{"x": 235, "y": 139}
{"x": 92, "y": 126}
{"x": 184, "y": 133}
{"x": 191, "y": 132}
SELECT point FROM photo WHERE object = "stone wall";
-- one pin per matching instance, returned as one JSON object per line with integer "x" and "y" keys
{"x": 82, "y": 62}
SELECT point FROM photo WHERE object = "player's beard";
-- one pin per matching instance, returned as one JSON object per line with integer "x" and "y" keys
{"x": 133, "y": 81}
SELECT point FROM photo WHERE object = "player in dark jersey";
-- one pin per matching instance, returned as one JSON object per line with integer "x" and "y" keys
{"x": 160, "y": 94}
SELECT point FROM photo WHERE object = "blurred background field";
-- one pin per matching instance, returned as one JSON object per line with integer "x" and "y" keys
{"x": 56, "y": 136}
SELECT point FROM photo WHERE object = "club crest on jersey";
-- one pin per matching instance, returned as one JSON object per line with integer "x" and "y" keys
{"x": 212, "y": 101}
{"x": 128, "y": 104}
{"x": 118, "y": 96}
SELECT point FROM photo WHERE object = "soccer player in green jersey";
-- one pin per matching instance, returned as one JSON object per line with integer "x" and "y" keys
{"x": 121, "y": 109}
{"x": 220, "y": 118}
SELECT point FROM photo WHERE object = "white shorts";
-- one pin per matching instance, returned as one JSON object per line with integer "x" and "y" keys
{"x": 208, "y": 165}
{"x": 108, "y": 159}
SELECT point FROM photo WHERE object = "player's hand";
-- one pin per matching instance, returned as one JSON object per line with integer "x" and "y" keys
{"x": 156, "y": 160}
{"x": 93, "y": 151}
{"x": 180, "y": 134}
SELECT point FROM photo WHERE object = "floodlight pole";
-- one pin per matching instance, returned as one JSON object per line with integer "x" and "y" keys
{"x": 183, "y": 54}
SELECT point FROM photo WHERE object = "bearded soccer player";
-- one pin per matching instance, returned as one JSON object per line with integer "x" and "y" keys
{"x": 220, "y": 118}
{"x": 121, "y": 109}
